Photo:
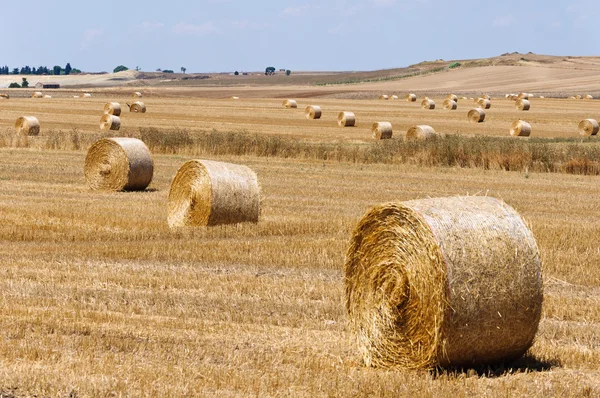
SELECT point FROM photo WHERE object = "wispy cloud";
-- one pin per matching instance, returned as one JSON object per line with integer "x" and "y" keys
{"x": 183, "y": 28}
{"x": 504, "y": 21}
{"x": 89, "y": 35}
{"x": 298, "y": 11}
{"x": 147, "y": 25}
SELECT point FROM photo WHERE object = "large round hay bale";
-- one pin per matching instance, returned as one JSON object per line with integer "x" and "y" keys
{"x": 443, "y": 282}
{"x": 206, "y": 192}
{"x": 136, "y": 94}
{"x": 110, "y": 122}
{"x": 428, "y": 104}
{"x": 520, "y": 128}
{"x": 523, "y": 104}
{"x": 112, "y": 108}
{"x": 346, "y": 119}
{"x": 420, "y": 132}
{"x": 476, "y": 115}
{"x": 588, "y": 97}
{"x": 37, "y": 94}
{"x": 382, "y": 130}
{"x": 411, "y": 97}
{"x": 452, "y": 97}
{"x": 384, "y": 97}
{"x": 393, "y": 97}
{"x": 290, "y": 103}
{"x": 588, "y": 127}
{"x": 313, "y": 112}
{"x": 484, "y": 103}
{"x": 27, "y": 125}
{"x": 118, "y": 164}
{"x": 137, "y": 107}
{"x": 449, "y": 104}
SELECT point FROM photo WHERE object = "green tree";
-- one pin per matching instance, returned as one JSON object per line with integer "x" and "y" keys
{"x": 120, "y": 68}
{"x": 183, "y": 69}
{"x": 75, "y": 71}
{"x": 288, "y": 72}
{"x": 15, "y": 71}
{"x": 56, "y": 70}
{"x": 68, "y": 69}
{"x": 14, "y": 85}
{"x": 236, "y": 73}
{"x": 168, "y": 71}
{"x": 25, "y": 83}
{"x": 270, "y": 70}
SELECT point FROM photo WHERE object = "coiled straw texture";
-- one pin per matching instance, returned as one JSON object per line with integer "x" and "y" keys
{"x": 112, "y": 108}
{"x": 452, "y": 97}
{"x": 411, "y": 97}
{"x": 346, "y": 119}
{"x": 110, "y": 122}
{"x": 27, "y": 125}
{"x": 290, "y": 103}
{"x": 382, "y": 130}
{"x": 588, "y": 127}
{"x": 476, "y": 115}
{"x": 137, "y": 107}
{"x": 449, "y": 104}
{"x": 420, "y": 132}
{"x": 523, "y": 105}
{"x": 428, "y": 104}
{"x": 484, "y": 103}
{"x": 313, "y": 112}
{"x": 520, "y": 128}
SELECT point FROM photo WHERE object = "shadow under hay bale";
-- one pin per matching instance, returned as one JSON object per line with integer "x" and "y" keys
{"x": 313, "y": 112}
{"x": 27, "y": 125}
{"x": 382, "y": 130}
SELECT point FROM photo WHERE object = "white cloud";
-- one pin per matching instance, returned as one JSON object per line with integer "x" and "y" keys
{"x": 151, "y": 25}
{"x": 504, "y": 21}
{"x": 89, "y": 35}
{"x": 297, "y": 11}
{"x": 183, "y": 28}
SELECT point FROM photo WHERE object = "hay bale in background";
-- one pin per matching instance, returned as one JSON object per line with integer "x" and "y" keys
{"x": 382, "y": 130}
{"x": 420, "y": 132}
{"x": 87, "y": 95}
{"x": 4, "y": 96}
{"x": 47, "y": 96}
{"x": 75, "y": 96}
{"x": 449, "y": 104}
{"x": 521, "y": 96}
{"x": 384, "y": 97}
{"x": 118, "y": 164}
{"x": 206, "y": 192}
{"x": 443, "y": 282}
{"x": 523, "y": 105}
{"x": 452, "y": 97}
{"x": 394, "y": 97}
{"x": 464, "y": 98}
{"x": 346, "y": 119}
{"x": 578, "y": 97}
{"x": 235, "y": 98}
{"x": 588, "y": 127}
{"x": 428, "y": 104}
{"x": 137, "y": 107}
{"x": 542, "y": 97}
{"x": 136, "y": 94}
{"x": 27, "y": 125}
{"x": 520, "y": 128}
{"x": 313, "y": 112}
{"x": 290, "y": 103}
{"x": 485, "y": 96}
{"x": 484, "y": 103}
{"x": 476, "y": 115}
{"x": 588, "y": 97}
{"x": 110, "y": 122}
{"x": 411, "y": 97}
{"x": 112, "y": 108}
{"x": 37, "y": 94}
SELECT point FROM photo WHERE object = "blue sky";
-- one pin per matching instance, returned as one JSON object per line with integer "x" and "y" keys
{"x": 228, "y": 35}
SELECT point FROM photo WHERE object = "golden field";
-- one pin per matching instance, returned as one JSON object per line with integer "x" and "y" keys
{"x": 100, "y": 298}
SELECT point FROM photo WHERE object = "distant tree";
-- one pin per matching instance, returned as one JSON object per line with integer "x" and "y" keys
{"x": 270, "y": 70}
{"x": 120, "y": 68}
{"x": 15, "y": 71}
{"x": 75, "y": 71}
{"x": 137, "y": 68}
{"x": 236, "y": 73}
{"x": 288, "y": 72}
{"x": 56, "y": 70}
{"x": 25, "y": 83}
{"x": 159, "y": 70}
{"x": 68, "y": 69}
{"x": 168, "y": 71}
{"x": 14, "y": 85}
{"x": 183, "y": 69}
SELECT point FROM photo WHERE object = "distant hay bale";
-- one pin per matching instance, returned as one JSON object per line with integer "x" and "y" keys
{"x": 588, "y": 127}
{"x": 290, "y": 103}
{"x": 313, "y": 112}
{"x": 588, "y": 97}
{"x": 384, "y": 97}
{"x": 522, "y": 96}
{"x": 235, "y": 98}
{"x": 542, "y": 97}
{"x": 87, "y": 95}
{"x": 520, "y": 128}
{"x": 5, "y": 96}
{"x": 485, "y": 96}
{"x": 37, "y": 94}
{"x": 137, "y": 107}
{"x": 110, "y": 122}
{"x": 346, "y": 119}
{"x": 394, "y": 97}
{"x": 47, "y": 96}
{"x": 578, "y": 97}
{"x": 27, "y": 125}
{"x": 449, "y": 104}
{"x": 428, "y": 104}
{"x": 443, "y": 282}
{"x": 571, "y": 97}
{"x": 112, "y": 108}
{"x": 410, "y": 97}
{"x": 476, "y": 115}
{"x": 523, "y": 105}
{"x": 464, "y": 98}
{"x": 136, "y": 94}
{"x": 206, "y": 192}
{"x": 382, "y": 130}
{"x": 420, "y": 132}
{"x": 75, "y": 96}
{"x": 452, "y": 97}
{"x": 118, "y": 164}
{"x": 484, "y": 103}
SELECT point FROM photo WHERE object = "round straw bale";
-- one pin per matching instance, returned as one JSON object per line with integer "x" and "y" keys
{"x": 452, "y": 97}
{"x": 520, "y": 128}
{"x": 420, "y": 132}
{"x": 27, "y": 125}
{"x": 464, "y": 98}
{"x": 571, "y": 97}
{"x": 75, "y": 96}
{"x": 449, "y": 104}
{"x": 112, "y": 108}
{"x": 485, "y": 96}
{"x": 313, "y": 112}
{"x": 118, "y": 164}
{"x": 443, "y": 282}
{"x": 542, "y": 97}
{"x": 384, "y": 97}
{"x": 394, "y": 97}
{"x": 290, "y": 103}
{"x": 346, "y": 119}
{"x": 37, "y": 94}
{"x": 484, "y": 103}
{"x": 578, "y": 97}
{"x": 5, "y": 96}
{"x": 428, "y": 104}
{"x": 47, "y": 96}
{"x": 137, "y": 107}
{"x": 87, "y": 95}
{"x": 136, "y": 94}
{"x": 411, "y": 97}
{"x": 588, "y": 127}
{"x": 382, "y": 130}
{"x": 235, "y": 98}
{"x": 206, "y": 192}
{"x": 523, "y": 104}
{"x": 110, "y": 122}
{"x": 587, "y": 96}
{"x": 522, "y": 96}
{"x": 476, "y": 115}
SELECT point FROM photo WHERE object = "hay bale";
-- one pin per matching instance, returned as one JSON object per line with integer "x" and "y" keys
{"x": 75, "y": 96}
{"x": 47, "y": 96}
{"x": 452, "y": 97}
{"x": 112, "y": 108}
{"x": 382, "y": 130}
{"x": 411, "y": 97}
{"x": 290, "y": 103}
{"x": 571, "y": 97}
{"x": 5, "y": 96}
{"x": 118, "y": 164}
{"x": 521, "y": 96}
{"x": 87, "y": 95}
{"x": 27, "y": 125}
{"x": 578, "y": 97}
{"x": 428, "y": 104}
{"x": 110, "y": 122}
{"x": 235, "y": 98}
{"x": 449, "y": 104}
{"x": 136, "y": 94}
{"x": 588, "y": 97}
{"x": 484, "y": 103}
{"x": 394, "y": 97}
{"x": 588, "y": 127}
{"x": 37, "y": 94}
{"x": 420, "y": 132}
{"x": 523, "y": 104}
{"x": 384, "y": 97}
{"x": 443, "y": 282}
{"x": 346, "y": 119}
{"x": 485, "y": 96}
{"x": 464, "y": 98}
{"x": 476, "y": 115}
{"x": 542, "y": 97}
{"x": 313, "y": 112}
{"x": 206, "y": 192}
{"x": 520, "y": 128}
{"x": 137, "y": 107}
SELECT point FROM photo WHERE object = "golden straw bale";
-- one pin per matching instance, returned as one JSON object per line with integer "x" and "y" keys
{"x": 206, "y": 192}
{"x": 542, "y": 97}
{"x": 27, "y": 125}
{"x": 37, "y": 94}
{"x": 346, "y": 119}
{"x": 110, "y": 122}
{"x": 118, "y": 164}
{"x": 290, "y": 103}
{"x": 137, "y": 107}
{"x": 420, "y": 132}
{"x": 411, "y": 97}
{"x": 428, "y": 104}
{"x": 452, "y": 97}
{"x": 394, "y": 97}
{"x": 520, "y": 128}
{"x": 476, "y": 115}
{"x": 47, "y": 96}
{"x": 523, "y": 104}
{"x": 112, "y": 108}
{"x": 578, "y": 97}
{"x": 588, "y": 127}
{"x": 571, "y": 97}
{"x": 464, "y": 98}
{"x": 588, "y": 97}
{"x": 136, "y": 94}
{"x": 5, "y": 96}
{"x": 522, "y": 96}
{"x": 443, "y": 282}
{"x": 75, "y": 96}
{"x": 235, "y": 98}
{"x": 484, "y": 103}
{"x": 382, "y": 130}
{"x": 384, "y": 97}
{"x": 485, "y": 96}
{"x": 87, "y": 95}
{"x": 313, "y": 112}
{"x": 449, "y": 104}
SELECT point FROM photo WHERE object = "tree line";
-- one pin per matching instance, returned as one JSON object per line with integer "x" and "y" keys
{"x": 42, "y": 70}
